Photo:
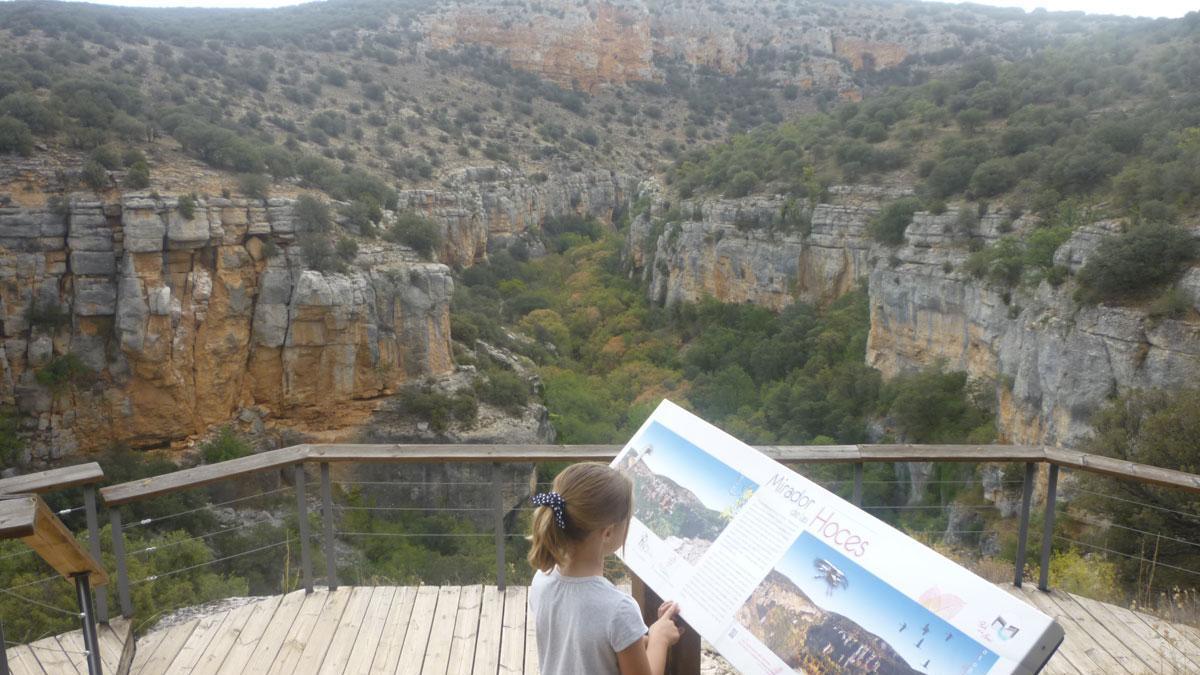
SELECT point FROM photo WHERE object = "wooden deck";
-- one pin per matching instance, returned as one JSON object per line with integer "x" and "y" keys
{"x": 465, "y": 630}
{"x": 64, "y": 654}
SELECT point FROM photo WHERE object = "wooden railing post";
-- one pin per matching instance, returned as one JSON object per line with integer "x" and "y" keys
{"x": 1026, "y": 499}
{"x": 498, "y": 509}
{"x": 327, "y": 517}
{"x": 1048, "y": 528}
{"x": 118, "y": 536}
{"x": 684, "y": 657}
{"x": 93, "y": 525}
{"x": 306, "y": 574}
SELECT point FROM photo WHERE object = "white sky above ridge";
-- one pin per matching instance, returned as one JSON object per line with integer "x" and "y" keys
{"x": 1151, "y": 8}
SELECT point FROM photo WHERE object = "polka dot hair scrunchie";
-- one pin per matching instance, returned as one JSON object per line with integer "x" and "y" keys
{"x": 556, "y": 504}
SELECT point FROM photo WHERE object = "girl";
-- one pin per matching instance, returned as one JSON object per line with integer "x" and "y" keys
{"x": 585, "y": 626}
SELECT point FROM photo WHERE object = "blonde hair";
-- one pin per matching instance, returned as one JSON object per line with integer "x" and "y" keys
{"x": 595, "y": 496}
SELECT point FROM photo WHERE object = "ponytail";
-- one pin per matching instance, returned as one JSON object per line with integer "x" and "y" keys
{"x": 593, "y": 496}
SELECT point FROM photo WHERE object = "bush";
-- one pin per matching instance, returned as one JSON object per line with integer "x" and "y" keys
{"x": 11, "y": 443}
{"x": 505, "y": 390}
{"x": 138, "y": 176}
{"x": 318, "y": 252}
{"x": 437, "y": 408}
{"x": 1135, "y": 262}
{"x": 94, "y": 175}
{"x": 187, "y": 206}
{"x": 312, "y": 214}
{"x": 415, "y": 231}
{"x": 63, "y": 371}
{"x": 993, "y": 177}
{"x": 743, "y": 183}
{"x": 889, "y": 225}
{"x": 254, "y": 185}
{"x": 226, "y": 445}
{"x": 15, "y": 136}
{"x": 931, "y": 406}
{"x": 1175, "y": 303}
{"x": 347, "y": 248}
{"x": 108, "y": 156}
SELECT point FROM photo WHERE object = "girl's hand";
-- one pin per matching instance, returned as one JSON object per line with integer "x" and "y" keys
{"x": 664, "y": 630}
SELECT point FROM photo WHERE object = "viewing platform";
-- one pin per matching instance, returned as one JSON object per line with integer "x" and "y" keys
{"x": 327, "y": 626}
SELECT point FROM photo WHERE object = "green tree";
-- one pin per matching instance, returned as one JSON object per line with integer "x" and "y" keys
{"x": 1137, "y": 261}
{"x": 415, "y": 231}
{"x": 15, "y": 136}
{"x": 889, "y": 224}
{"x": 138, "y": 175}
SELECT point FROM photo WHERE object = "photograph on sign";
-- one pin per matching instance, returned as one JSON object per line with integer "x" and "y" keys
{"x": 781, "y": 575}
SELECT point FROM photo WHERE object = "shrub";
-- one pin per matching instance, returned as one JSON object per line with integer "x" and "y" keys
{"x": 993, "y": 177}
{"x": 743, "y": 183}
{"x": 437, "y": 408}
{"x": 187, "y": 206}
{"x": 889, "y": 225}
{"x": 318, "y": 252}
{"x": 254, "y": 185}
{"x": 505, "y": 390}
{"x": 108, "y": 156}
{"x": 415, "y": 231}
{"x": 226, "y": 445}
{"x": 362, "y": 215}
{"x": 1175, "y": 303}
{"x": 931, "y": 406}
{"x": 1137, "y": 261}
{"x": 94, "y": 175}
{"x": 347, "y": 248}
{"x": 28, "y": 109}
{"x": 63, "y": 371}
{"x": 11, "y": 443}
{"x": 138, "y": 176}
{"x": 312, "y": 214}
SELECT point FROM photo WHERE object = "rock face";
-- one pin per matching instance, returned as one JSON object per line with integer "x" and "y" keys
{"x": 485, "y": 208}
{"x": 182, "y": 317}
{"x": 818, "y": 45}
{"x": 1052, "y": 362}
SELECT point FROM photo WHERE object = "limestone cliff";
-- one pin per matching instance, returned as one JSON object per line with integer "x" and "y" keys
{"x": 182, "y": 317}
{"x": 1052, "y": 362}
{"x": 482, "y": 208}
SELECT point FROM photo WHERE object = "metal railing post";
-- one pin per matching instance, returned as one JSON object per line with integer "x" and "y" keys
{"x": 498, "y": 508}
{"x": 118, "y": 536}
{"x": 3, "y": 652}
{"x": 93, "y": 525}
{"x": 1026, "y": 498}
{"x": 1048, "y": 528}
{"x": 306, "y": 574}
{"x": 91, "y": 642}
{"x": 327, "y": 517}
{"x": 858, "y": 482}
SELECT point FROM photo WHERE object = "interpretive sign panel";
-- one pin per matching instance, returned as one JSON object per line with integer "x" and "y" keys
{"x": 782, "y": 576}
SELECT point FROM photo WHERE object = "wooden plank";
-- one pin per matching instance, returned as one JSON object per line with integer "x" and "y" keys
{"x": 72, "y": 645}
{"x": 426, "y": 453}
{"x": 1112, "y": 644}
{"x": 143, "y": 488}
{"x": 512, "y": 639}
{"x": 22, "y": 661}
{"x": 1060, "y": 663}
{"x": 531, "y": 652}
{"x": 52, "y": 658}
{"x": 491, "y": 623}
{"x": 466, "y": 627}
{"x": 1080, "y": 649}
{"x": 1153, "y": 649}
{"x": 17, "y": 517}
{"x": 173, "y": 640}
{"x": 292, "y": 648}
{"x": 146, "y": 645}
{"x": 59, "y": 548}
{"x": 318, "y": 642}
{"x": 371, "y": 632}
{"x": 416, "y": 636}
{"x": 52, "y": 479}
{"x": 391, "y": 641}
{"x": 197, "y": 643}
{"x": 1119, "y": 468}
{"x": 123, "y": 629}
{"x": 1171, "y": 633}
{"x": 224, "y": 638}
{"x": 267, "y": 645}
{"x": 441, "y": 632}
{"x": 246, "y": 640}
{"x": 111, "y": 646}
{"x": 337, "y": 654}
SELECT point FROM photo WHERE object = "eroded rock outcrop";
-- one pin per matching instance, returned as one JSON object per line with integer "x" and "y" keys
{"x": 481, "y": 209}
{"x": 1052, "y": 361}
{"x": 180, "y": 317}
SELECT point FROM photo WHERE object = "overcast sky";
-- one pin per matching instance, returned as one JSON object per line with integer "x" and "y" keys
{"x": 1155, "y": 8}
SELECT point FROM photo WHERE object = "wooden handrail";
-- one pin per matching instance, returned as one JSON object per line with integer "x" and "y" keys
{"x": 54, "y": 479}
{"x": 28, "y": 518}
{"x": 144, "y": 488}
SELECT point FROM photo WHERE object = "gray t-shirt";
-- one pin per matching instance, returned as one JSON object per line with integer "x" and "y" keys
{"x": 582, "y": 622}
